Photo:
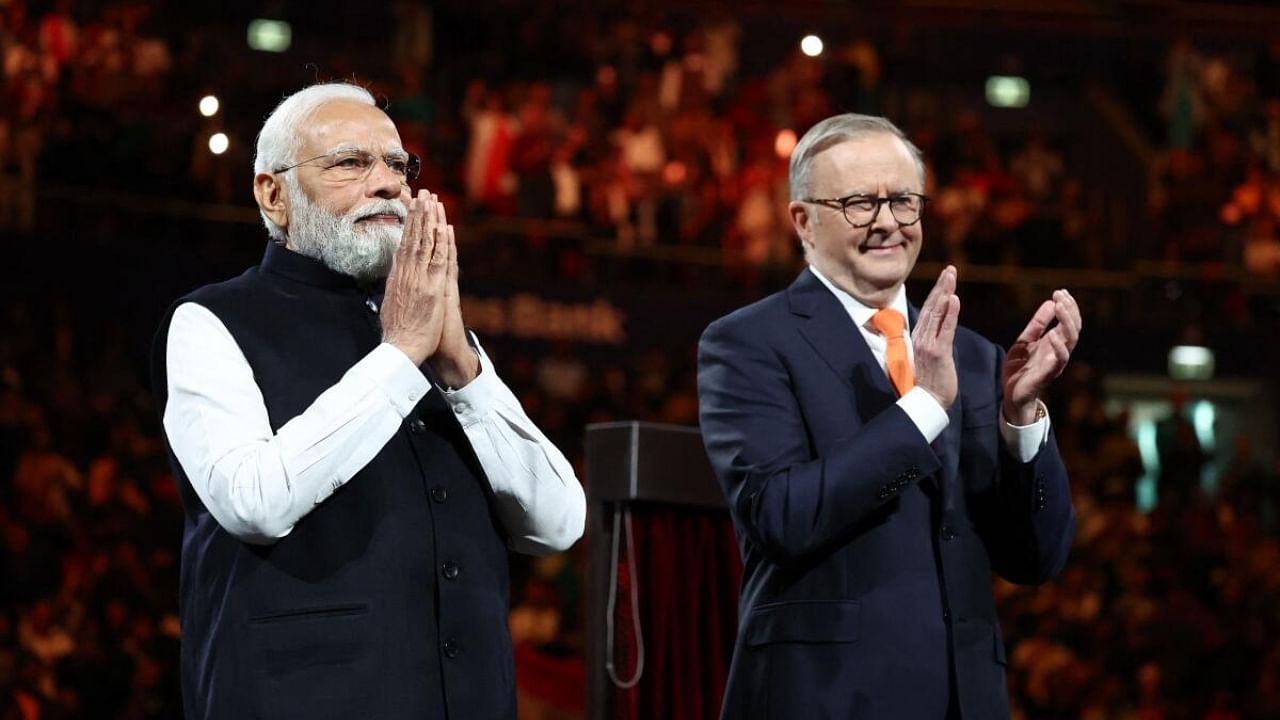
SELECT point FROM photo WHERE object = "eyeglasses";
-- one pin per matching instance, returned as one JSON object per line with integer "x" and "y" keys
{"x": 861, "y": 210}
{"x": 351, "y": 165}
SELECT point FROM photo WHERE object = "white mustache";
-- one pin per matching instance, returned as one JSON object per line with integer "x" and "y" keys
{"x": 381, "y": 207}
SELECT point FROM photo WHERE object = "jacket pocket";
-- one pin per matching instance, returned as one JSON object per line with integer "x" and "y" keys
{"x": 804, "y": 622}
{"x": 318, "y": 662}
{"x": 312, "y": 613}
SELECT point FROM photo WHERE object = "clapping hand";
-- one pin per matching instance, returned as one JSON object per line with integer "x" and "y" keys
{"x": 932, "y": 338}
{"x": 1039, "y": 355}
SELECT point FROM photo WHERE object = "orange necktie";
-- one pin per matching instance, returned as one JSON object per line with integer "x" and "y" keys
{"x": 892, "y": 325}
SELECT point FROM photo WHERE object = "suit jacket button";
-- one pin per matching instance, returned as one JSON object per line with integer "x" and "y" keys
{"x": 451, "y": 649}
{"x": 450, "y": 569}
{"x": 947, "y": 532}
{"x": 439, "y": 494}
{"x": 417, "y": 427}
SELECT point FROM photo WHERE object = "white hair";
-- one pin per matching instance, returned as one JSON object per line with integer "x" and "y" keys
{"x": 279, "y": 139}
{"x": 833, "y": 131}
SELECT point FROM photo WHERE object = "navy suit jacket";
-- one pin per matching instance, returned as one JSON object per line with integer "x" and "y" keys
{"x": 867, "y": 551}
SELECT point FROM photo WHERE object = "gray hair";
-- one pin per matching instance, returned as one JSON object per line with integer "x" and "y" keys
{"x": 833, "y": 131}
{"x": 279, "y": 139}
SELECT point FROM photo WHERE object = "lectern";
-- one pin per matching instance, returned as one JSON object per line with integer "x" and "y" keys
{"x": 663, "y": 575}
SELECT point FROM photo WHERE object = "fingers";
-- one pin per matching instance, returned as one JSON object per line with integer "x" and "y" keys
{"x": 410, "y": 235}
{"x": 1034, "y": 329}
{"x": 1061, "y": 352}
{"x": 934, "y": 309}
{"x": 451, "y": 272}
{"x": 950, "y": 318}
{"x": 1069, "y": 320}
{"x": 440, "y": 251}
{"x": 430, "y": 228}
{"x": 935, "y": 291}
{"x": 1018, "y": 354}
{"x": 440, "y": 214}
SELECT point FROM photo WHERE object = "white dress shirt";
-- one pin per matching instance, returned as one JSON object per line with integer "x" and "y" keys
{"x": 924, "y": 410}
{"x": 258, "y": 484}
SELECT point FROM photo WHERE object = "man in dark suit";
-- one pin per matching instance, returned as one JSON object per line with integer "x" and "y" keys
{"x": 876, "y": 477}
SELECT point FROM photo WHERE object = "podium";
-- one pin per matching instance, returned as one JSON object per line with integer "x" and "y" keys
{"x": 663, "y": 575}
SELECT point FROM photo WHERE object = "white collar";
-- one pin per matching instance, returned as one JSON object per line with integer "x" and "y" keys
{"x": 860, "y": 312}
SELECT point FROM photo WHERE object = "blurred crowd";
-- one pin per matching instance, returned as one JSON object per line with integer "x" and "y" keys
{"x": 1159, "y": 616}
{"x": 89, "y": 527}
{"x": 1167, "y": 615}
{"x": 647, "y": 134}
{"x": 1216, "y": 190}
{"x": 654, "y": 128}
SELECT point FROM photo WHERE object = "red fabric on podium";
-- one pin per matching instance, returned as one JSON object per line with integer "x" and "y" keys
{"x": 688, "y": 573}
{"x": 558, "y": 682}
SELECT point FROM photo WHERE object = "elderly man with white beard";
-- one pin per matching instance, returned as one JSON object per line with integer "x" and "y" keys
{"x": 352, "y": 469}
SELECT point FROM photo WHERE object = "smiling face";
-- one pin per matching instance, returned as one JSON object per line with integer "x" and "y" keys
{"x": 869, "y": 263}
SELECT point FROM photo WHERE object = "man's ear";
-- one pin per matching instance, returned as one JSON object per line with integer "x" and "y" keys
{"x": 802, "y": 220}
{"x": 272, "y": 199}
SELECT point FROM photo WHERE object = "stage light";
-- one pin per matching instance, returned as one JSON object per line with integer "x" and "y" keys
{"x": 208, "y": 106}
{"x": 674, "y": 172}
{"x": 1190, "y": 362}
{"x": 1008, "y": 91}
{"x": 218, "y": 143}
{"x": 606, "y": 76}
{"x": 270, "y": 35}
{"x": 661, "y": 43}
{"x": 811, "y": 45}
{"x": 784, "y": 143}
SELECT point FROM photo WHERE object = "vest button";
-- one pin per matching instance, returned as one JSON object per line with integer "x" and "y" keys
{"x": 417, "y": 427}
{"x": 451, "y": 649}
{"x": 450, "y": 569}
{"x": 373, "y": 306}
{"x": 947, "y": 532}
{"x": 439, "y": 494}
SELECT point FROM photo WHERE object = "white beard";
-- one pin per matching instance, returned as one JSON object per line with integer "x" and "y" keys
{"x": 363, "y": 252}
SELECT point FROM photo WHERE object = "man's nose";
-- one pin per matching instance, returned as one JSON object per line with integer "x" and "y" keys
{"x": 884, "y": 221}
{"x": 384, "y": 182}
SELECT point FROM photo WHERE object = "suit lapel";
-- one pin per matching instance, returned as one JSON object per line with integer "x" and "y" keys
{"x": 825, "y": 325}
{"x": 828, "y": 329}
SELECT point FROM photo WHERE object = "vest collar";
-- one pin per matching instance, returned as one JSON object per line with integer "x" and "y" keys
{"x": 279, "y": 260}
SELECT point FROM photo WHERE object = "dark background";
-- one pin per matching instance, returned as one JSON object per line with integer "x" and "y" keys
{"x": 1144, "y": 175}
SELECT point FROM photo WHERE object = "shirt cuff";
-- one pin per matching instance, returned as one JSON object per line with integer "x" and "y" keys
{"x": 475, "y": 399}
{"x": 925, "y": 412}
{"x": 1024, "y": 441}
{"x": 392, "y": 372}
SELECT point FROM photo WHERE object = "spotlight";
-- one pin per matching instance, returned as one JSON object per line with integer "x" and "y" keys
{"x": 1008, "y": 91}
{"x": 811, "y": 45}
{"x": 209, "y": 106}
{"x": 270, "y": 35}
{"x": 784, "y": 143}
{"x": 1191, "y": 362}
{"x": 218, "y": 143}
